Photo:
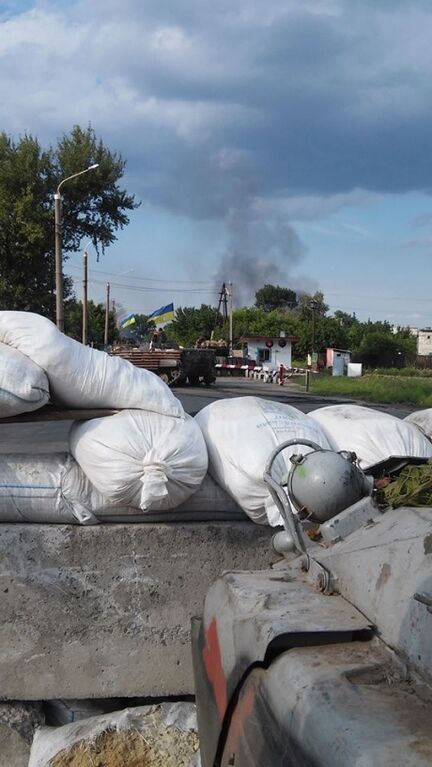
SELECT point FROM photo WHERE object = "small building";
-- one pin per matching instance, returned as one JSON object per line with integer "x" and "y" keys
{"x": 424, "y": 342}
{"x": 338, "y": 360}
{"x": 270, "y": 351}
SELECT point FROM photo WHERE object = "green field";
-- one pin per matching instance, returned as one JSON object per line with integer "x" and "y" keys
{"x": 377, "y": 388}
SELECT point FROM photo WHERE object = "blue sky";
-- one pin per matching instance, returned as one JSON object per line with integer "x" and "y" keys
{"x": 287, "y": 141}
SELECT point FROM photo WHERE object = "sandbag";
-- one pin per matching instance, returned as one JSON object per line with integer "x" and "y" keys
{"x": 240, "y": 435}
{"x": 23, "y": 384}
{"x": 374, "y": 436}
{"x": 83, "y": 377}
{"x": 51, "y": 489}
{"x": 164, "y": 734}
{"x": 141, "y": 459}
{"x": 422, "y": 419}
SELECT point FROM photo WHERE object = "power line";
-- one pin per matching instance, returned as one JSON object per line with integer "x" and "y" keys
{"x": 143, "y": 289}
{"x": 146, "y": 279}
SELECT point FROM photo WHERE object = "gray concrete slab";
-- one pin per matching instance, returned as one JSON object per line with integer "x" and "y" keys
{"x": 18, "y": 722}
{"x": 105, "y": 611}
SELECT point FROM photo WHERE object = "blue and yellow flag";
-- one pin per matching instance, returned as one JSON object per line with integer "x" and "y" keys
{"x": 164, "y": 314}
{"x": 126, "y": 322}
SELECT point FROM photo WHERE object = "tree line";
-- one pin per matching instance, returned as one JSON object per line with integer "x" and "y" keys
{"x": 307, "y": 317}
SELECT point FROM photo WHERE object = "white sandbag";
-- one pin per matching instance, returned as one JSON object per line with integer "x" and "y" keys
{"x": 374, "y": 436}
{"x": 141, "y": 459}
{"x": 51, "y": 489}
{"x": 423, "y": 420}
{"x": 240, "y": 434}
{"x": 83, "y": 377}
{"x": 23, "y": 384}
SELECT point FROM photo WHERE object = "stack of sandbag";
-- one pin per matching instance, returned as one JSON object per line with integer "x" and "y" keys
{"x": 373, "y": 436}
{"x": 148, "y": 457}
{"x": 23, "y": 384}
{"x": 141, "y": 459}
{"x": 83, "y": 377}
{"x": 240, "y": 434}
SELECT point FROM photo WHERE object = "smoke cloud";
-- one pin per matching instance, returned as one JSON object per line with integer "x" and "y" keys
{"x": 262, "y": 248}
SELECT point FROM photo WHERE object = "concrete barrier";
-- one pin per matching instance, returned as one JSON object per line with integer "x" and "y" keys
{"x": 97, "y": 612}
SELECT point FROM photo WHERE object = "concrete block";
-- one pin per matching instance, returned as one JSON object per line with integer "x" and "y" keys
{"x": 98, "y": 612}
{"x": 18, "y": 722}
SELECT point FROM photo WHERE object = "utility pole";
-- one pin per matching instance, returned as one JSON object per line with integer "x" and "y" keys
{"x": 313, "y": 325}
{"x": 107, "y": 308}
{"x": 85, "y": 302}
{"x": 223, "y": 302}
{"x": 230, "y": 294}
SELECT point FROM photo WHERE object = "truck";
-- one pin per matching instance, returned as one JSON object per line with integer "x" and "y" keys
{"x": 325, "y": 658}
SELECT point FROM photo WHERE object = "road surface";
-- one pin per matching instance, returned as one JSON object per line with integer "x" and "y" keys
{"x": 52, "y": 436}
{"x": 195, "y": 398}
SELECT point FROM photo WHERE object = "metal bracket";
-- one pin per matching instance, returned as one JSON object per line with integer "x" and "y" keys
{"x": 281, "y": 498}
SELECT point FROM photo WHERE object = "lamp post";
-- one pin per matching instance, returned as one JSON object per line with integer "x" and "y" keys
{"x": 58, "y": 247}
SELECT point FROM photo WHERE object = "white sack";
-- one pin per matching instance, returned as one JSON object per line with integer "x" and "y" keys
{"x": 422, "y": 419}
{"x": 141, "y": 459}
{"x": 83, "y": 377}
{"x": 372, "y": 435}
{"x": 240, "y": 434}
{"x": 51, "y": 489}
{"x": 23, "y": 384}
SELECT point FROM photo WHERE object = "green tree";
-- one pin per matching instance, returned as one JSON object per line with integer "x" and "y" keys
{"x": 256, "y": 322}
{"x": 73, "y": 312}
{"x": 312, "y": 303}
{"x": 94, "y": 206}
{"x": 191, "y": 323}
{"x": 273, "y": 297}
{"x": 26, "y": 226}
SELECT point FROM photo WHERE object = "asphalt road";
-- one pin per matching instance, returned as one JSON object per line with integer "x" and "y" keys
{"x": 52, "y": 436}
{"x": 196, "y": 397}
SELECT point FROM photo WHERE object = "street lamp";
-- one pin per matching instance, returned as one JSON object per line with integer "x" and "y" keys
{"x": 58, "y": 246}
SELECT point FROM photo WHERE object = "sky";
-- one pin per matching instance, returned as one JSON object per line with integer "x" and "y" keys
{"x": 281, "y": 141}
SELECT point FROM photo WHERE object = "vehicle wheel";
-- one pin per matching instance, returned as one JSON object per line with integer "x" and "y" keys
{"x": 208, "y": 380}
{"x": 165, "y": 377}
{"x": 194, "y": 380}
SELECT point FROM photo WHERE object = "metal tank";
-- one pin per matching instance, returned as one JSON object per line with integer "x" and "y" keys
{"x": 324, "y": 659}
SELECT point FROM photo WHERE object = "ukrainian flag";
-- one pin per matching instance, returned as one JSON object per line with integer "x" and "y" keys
{"x": 127, "y": 321}
{"x": 164, "y": 314}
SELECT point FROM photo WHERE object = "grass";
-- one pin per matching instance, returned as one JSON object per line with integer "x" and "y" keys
{"x": 409, "y": 372}
{"x": 377, "y": 388}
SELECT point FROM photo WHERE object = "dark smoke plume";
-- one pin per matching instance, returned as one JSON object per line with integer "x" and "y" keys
{"x": 262, "y": 249}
